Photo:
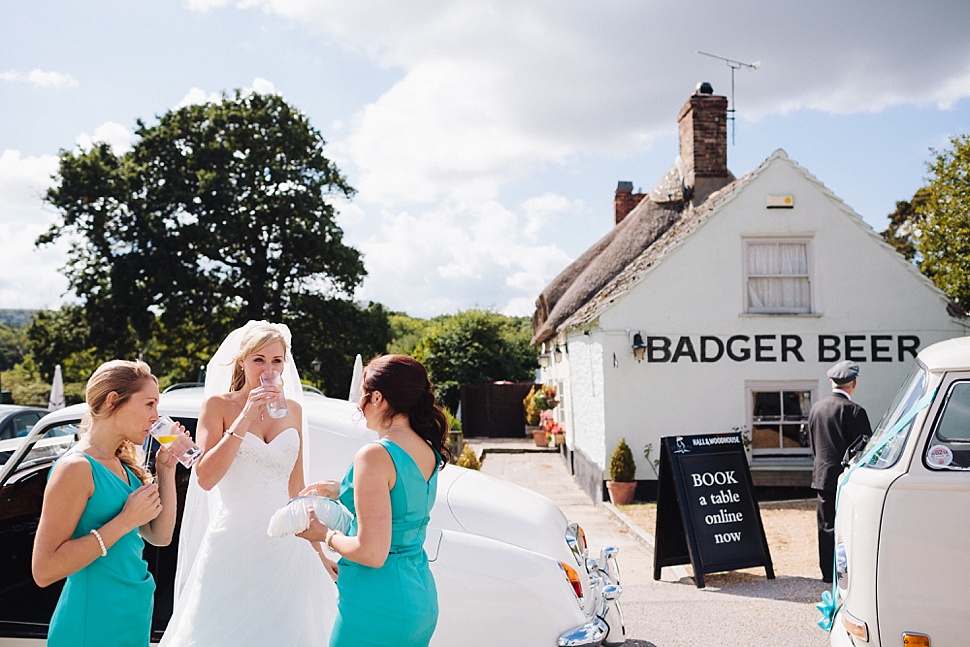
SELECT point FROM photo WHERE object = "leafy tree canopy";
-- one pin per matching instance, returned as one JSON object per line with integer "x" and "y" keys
{"x": 944, "y": 238}
{"x": 475, "y": 346}
{"x": 933, "y": 229}
{"x": 220, "y": 213}
{"x": 13, "y": 345}
{"x": 334, "y": 332}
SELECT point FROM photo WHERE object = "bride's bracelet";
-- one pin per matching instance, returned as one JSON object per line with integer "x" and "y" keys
{"x": 329, "y": 539}
{"x": 233, "y": 433}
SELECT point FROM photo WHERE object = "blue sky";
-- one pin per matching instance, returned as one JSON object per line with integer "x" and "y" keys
{"x": 485, "y": 138}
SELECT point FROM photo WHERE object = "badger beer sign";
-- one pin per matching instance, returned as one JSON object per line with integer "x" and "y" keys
{"x": 781, "y": 348}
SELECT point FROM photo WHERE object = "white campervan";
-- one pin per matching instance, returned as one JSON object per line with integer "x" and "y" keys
{"x": 903, "y": 520}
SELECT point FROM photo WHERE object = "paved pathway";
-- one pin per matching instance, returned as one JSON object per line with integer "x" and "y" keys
{"x": 739, "y": 610}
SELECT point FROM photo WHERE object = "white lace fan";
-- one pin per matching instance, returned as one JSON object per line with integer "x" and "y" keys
{"x": 293, "y": 518}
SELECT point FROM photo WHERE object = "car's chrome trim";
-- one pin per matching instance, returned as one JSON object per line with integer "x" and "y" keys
{"x": 590, "y": 634}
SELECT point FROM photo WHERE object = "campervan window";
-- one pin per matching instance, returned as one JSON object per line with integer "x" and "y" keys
{"x": 949, "y": 447}
{"x": 913, "y": 388}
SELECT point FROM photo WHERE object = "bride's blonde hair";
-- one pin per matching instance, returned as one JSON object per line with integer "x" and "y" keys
{"x": 259, "y": 337}
{"x": 125, "y": 378}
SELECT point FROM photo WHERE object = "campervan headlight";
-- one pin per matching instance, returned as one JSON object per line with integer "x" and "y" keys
{"x": 841, "y": 566}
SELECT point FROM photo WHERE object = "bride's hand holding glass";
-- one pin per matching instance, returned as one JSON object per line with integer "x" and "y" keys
{"x": 258, "y": 400}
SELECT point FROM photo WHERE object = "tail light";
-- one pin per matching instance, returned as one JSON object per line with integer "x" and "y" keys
{"x": 573, "y": 578}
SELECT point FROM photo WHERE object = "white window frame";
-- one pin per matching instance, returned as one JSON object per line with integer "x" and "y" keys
{"x": 750, "y": 388}
{"x": 806, "y": 240}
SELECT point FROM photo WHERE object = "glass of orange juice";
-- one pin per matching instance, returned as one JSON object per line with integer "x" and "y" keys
{"x": 167, "y": 432}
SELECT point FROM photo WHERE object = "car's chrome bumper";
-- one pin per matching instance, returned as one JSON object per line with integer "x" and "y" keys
{"x": 605, "y": 625}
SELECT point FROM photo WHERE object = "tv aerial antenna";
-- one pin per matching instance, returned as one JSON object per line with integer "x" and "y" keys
{"x": 734, "y": 65}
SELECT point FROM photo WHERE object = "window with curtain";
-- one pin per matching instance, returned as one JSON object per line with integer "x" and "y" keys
{"x": 778, "y": 276}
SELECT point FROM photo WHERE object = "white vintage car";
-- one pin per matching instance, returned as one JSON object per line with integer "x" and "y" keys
{"x": 509, "y": 568}
{"x": 902, "y": 525}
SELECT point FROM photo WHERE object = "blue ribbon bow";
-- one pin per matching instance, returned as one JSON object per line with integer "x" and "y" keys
{"x": 828, "y": 608}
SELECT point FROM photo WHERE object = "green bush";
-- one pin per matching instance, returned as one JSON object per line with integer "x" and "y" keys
{"x": 540, "y": 398}
{"x": 531, "y": 410}
{"x": 622, "y": 466}
{"x": 468, "y": 459}
{"x": 453, "y": 423}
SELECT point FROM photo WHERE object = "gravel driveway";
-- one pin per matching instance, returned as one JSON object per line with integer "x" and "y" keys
{"x": 739, "y": 608}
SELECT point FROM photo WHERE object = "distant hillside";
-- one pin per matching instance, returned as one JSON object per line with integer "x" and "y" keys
{"x": 16, "y": 317}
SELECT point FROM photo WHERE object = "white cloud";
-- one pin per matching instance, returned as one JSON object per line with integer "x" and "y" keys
{"x": 262, "y": 86}
{"x": 28, "y": 276}
{"x": 115, "y": 135}
{"x": 197, "y": 96}
{"x": 24, "y": 180}
{"x": 41, "y": 78}
{"x": 433, "y": 261}
{"x": 204, "y": 5}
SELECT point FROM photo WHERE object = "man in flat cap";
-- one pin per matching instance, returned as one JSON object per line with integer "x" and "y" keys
{"x": 834, "y": 423}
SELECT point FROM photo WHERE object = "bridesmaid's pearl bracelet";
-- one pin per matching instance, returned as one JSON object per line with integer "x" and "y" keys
{"x": 97, "y": 535}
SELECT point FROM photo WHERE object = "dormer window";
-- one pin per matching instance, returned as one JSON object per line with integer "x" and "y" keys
{"x": 778, "y": 275}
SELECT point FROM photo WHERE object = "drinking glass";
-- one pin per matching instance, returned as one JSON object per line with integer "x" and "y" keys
{"x": 169, "y": 436}
{"x": 278, "y": 407}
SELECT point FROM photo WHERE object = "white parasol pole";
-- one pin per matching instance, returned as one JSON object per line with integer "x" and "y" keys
{"x": 356, "y": 379}
{"x": 56, "y": 400}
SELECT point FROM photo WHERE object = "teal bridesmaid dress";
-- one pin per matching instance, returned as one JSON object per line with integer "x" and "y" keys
{"x": 396, "y": 604}
{"x": 108, "y": 602}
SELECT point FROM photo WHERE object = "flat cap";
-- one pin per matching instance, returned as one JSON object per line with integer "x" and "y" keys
{"x": 843, "y": 372}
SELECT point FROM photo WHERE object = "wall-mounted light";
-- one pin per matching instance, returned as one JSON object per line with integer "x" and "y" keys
{"x": 543, "y": 360}
{"x": 639, "y": 348}
{"x": 557, "y": 354}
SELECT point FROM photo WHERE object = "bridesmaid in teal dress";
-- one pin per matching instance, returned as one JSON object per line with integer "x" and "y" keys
{"x": 386, "y": 593}
{"x": 98, "y": 500}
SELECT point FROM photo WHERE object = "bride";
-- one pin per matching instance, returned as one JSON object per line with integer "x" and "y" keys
{"x": 236, "y": 585}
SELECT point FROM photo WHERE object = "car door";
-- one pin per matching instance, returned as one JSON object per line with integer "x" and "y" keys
{"x": 923, "y": 570}
{"x": 25, "y": 608}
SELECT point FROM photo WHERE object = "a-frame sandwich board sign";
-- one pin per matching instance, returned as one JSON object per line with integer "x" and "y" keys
{"x": 707, "y": 514}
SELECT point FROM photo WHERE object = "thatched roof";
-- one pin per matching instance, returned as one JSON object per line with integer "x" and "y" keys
{"x": 612, "y": 264}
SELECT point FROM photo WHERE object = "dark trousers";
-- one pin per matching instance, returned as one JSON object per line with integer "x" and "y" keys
{"x": 826, "y": 533}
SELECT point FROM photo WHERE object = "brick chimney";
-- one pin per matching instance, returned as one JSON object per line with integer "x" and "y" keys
{"x": 624, "y": 201}
{"x": 703, "y": 142}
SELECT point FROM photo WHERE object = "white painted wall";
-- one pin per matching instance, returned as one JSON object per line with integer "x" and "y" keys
{"x": 861, "y": 286}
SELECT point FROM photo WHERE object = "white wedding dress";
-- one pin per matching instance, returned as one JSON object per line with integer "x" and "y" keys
{"x": 246, "y": 588}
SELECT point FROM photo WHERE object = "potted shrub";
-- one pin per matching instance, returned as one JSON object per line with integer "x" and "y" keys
{"x": 532, "y": 412}
{"x": 622, "y": 484}
{"x": 541, "y": 399}
{"x": 554, "y": 431}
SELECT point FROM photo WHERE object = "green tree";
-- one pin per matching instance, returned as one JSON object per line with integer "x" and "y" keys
{"x": 475, "y": 346}
{"x": 334, "y": 331}
{"x": 60, "y": 337}
{"x": 220, "y": 213}
{"x": 943, "y": 207}
{"x": 406, "y": 333}
{"x": 904, "y": 225}
{"x": 13, "y": 345}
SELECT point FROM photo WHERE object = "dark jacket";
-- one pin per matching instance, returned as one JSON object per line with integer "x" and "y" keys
{"x": 834, "y": 423}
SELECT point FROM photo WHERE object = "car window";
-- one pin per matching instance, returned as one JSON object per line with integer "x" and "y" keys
{"x": 53, "y": 444}
{"x": 24, "y": 422}
{"x": 949, "y": 446}
{"x": 912, "y": 389}
{"x": 6, "y": 429}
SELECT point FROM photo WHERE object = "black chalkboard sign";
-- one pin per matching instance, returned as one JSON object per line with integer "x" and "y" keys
{"x": 707, "y": 514}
